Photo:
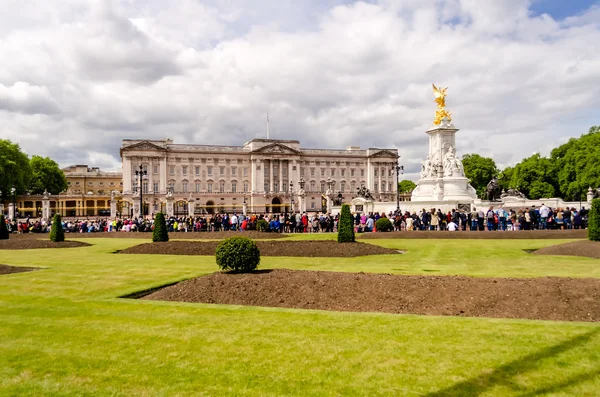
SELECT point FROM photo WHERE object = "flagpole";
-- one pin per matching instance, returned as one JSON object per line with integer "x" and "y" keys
{"x": 267, "y": 125}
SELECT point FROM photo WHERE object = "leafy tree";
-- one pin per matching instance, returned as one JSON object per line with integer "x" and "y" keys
{"x": 46, "y": 175}
{"x": 345, "y": 226}
{"x": 594, "y": 221}
{"x": 57, "y": 234}
{"x": 14, "y": 168}
{"x": 160, "y": 232}
{"x": 534, "y": 176}
{"x": 505, "y": 177}
{"x": 480, "y": 170}
{"x": 3, "y": 228}
{"x": 576, "y": 164}
{"x": 406, "y": 186}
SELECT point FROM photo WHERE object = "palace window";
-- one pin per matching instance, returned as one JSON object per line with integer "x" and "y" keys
{"x": 302, "y": 171}
{"x": 312, "y": 205}
{"x": 312, "y": 172}
{"x": 376, "y": 172}
{"x": 155, "y": 169}
{"x": 197, "y": 169}
{"x": 222, "y": 187}
{"x": 245, "y": 186}
{"x": 111, "y": 184}
{"x": 322, "y": 187}
{"x": 284, "y": 172}
{"x": 185, "y": 187}
{"x": 362, "y": 172}
{"x": 209, "y": 187}
{"x": 322, "y": 171}
{"x": 352, "y": 186}
{"x": 276, "y": 186}
{"x": 184, "y": 169}
{"x": 172, "y": 186}
{"x": 342, "y": 186}
{"x": 245, "y": 171}
{"x": 197, "y": 187}
{"x": 312, "y": 186}
{"x": 233, "y": 171}
{"x": 171, "y": 170}
{"x": 145, "y": 187}
{"x": 221, "y": 171}
{"x": 376, "y": 187}
{"x": 210, "y": 170}
{"x": 343, "y": 172}
{"x": 391, "y": 190}
{"x": 333, "y": 172}
{"x": 155, "y": 186}
{"x": 234, "y": 187}
{"x": 266, "y": 186}
{"x": 352, "y": 172}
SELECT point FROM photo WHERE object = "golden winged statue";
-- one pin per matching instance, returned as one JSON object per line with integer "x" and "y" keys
{"x": 440, "y": 99}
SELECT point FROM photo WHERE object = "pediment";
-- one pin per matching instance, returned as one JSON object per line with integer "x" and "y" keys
{"x": 276, "y": 148}
{"x": 144, "y": 145}
{"x": 385, "y": 154}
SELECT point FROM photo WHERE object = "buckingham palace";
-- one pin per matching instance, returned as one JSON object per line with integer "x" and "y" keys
{"x": 263, "y": 175}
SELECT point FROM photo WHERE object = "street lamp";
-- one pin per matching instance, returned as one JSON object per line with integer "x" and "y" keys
{"x": 399, "y": 168}
{"x": 14, "y": 194}
{"x": 291, "y": 197}
{"x": 141, "y": 174}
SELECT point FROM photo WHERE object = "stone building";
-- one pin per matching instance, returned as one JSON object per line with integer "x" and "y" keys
{"x": 88, "y": 194}
{"x": 263, "y": 175}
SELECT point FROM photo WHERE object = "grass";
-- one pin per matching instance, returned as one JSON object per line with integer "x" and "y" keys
{"x": 63, "y": 331}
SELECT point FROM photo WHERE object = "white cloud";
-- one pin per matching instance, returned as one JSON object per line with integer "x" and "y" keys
{"x": 329, "y": 73}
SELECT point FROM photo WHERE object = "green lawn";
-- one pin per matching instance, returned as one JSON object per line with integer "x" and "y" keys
{"x": 63, "y": 331}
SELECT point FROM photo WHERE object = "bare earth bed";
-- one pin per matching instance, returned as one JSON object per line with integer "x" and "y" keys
{"x": 267, "y": 248}
{"x": 6, "y": 269}
{"x": 586, "y": 248}
{"x": 550, "y": 298}
{"x": 521, "y": 234}
{"x": 32, "y": 243}
{"x": 148, "y": 235}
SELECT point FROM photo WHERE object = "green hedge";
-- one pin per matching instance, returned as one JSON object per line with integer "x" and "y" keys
{"x": 3, "y": 228}
{"x": 346, "y": 226}
{"x": 384, "y": 225}
{"x": 57, "y": 234}
{"x": 262, "y": 225}
{"x": 594, "y": 221}
{"x": 160, "y": 232}
{"x": 239, "y": 254}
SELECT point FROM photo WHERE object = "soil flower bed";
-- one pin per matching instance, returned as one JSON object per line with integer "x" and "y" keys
{"x": 33, "y": 243}
{"x": 173, "y": 235}
{"x": 267, "y": 248}
{"x": 6, "y": 269}
{"x": 585, "y": 248}
{"x": 549, "y": 298}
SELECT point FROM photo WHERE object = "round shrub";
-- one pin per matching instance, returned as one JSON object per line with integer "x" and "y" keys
{"x": 384, "y": 225}
{"x": 262, "y": 225}
{"x": 160, "y": 232}
{"x": 594, "y": 221}
{"x": 345, "y": 226}
{"x": 57, "y": 234}
{"x": 239, "y": 254}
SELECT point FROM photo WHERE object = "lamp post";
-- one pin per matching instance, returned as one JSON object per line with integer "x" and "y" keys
{"x": 399, "y": 168}
{"x": 291, "y": 197}
{"x": 141, "y": 173}
{"x": 14, "y": 194}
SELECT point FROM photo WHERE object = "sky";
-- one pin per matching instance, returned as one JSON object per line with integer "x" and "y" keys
{"x": 78, "y": 76}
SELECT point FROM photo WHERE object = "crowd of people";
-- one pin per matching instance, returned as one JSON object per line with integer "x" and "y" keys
{"x": 534, "y": 218}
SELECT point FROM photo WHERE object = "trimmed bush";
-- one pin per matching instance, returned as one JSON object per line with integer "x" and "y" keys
{"x": 160, "y": 232}
{"x": 239, "y": 254}
{"x": 594, "y": 221}
{"x": 262, "y": 225}
{"x": 3, "y": 228}
{"x": 384, "y": 225}
{"x": 57, "y": 234}
{"x": 346, "y": 226}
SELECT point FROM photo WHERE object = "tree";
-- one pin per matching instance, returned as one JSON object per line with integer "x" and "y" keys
{"x": 406, "y": 186}
{"x": 57, "y": 234}
{"x": 160, "y": 232}
{"x": 576, "y": 165}
{"x": 46, "y": 175}
{"x": 14, "y": 168}
{"x": 239, "y": 254}
{"x": 505, "y": 177}
{"x": 346, "y": 226}
{"x": 480, "y": 170}
{"x": 594, "y": 221}
{"x": 3, "y": 228}
{"x": 534, "y": 177}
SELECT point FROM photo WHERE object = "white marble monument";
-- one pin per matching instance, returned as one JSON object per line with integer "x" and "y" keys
{"x": 442, "y": 173}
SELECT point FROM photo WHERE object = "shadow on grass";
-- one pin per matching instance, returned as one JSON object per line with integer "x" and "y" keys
{"x": 505, "y": 374}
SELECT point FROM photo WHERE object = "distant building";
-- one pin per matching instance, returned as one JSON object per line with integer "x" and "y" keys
{"x": 264, "y": 173}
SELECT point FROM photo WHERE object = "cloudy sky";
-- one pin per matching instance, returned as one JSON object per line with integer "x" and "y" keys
{"x": 78, "y": 76}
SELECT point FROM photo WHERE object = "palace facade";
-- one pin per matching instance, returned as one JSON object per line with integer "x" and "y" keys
{"x": 263, "y": 175}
